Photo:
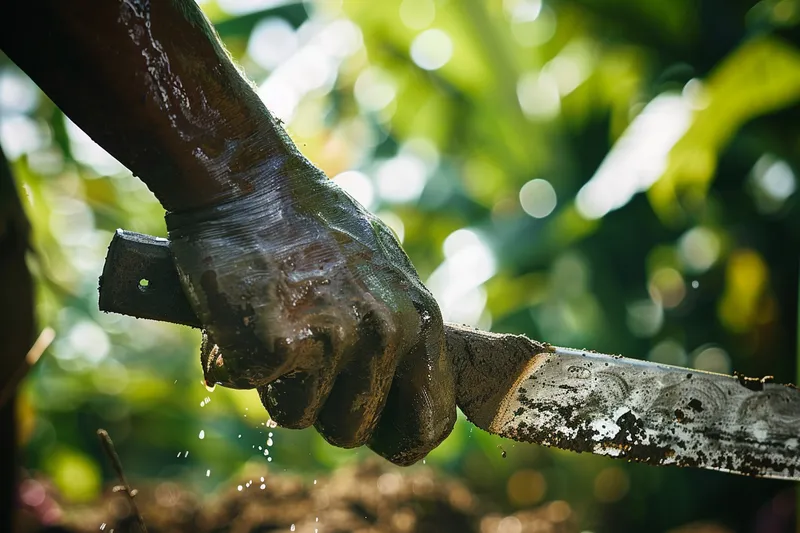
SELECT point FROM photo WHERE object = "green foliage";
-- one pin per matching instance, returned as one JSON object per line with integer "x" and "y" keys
{"x": 439, "y": 115}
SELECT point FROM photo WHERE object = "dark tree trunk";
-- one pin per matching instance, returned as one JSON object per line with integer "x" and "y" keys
{"x": 16, "y": 330}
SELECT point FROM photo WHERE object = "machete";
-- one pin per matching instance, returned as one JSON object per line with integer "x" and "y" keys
{"x": 529, "y": 391}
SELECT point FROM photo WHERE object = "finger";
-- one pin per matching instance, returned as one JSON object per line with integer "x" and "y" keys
{"x": 215, "y": 371}
{"x": 250, "y": 338}
{"x": 420, "y": 409}
{"x": 295, "y": 401}
{"x": 353, "y": 408}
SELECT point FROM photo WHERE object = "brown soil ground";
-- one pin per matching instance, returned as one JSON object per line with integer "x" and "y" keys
{"x": 367, "y": 498}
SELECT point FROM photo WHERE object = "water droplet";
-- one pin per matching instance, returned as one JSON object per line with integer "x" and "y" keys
{"x": 186, "y": 454}
{"x": 263, "y": 486}
{"x": 266, "y": 452}
{"x": 315, "y": 482}
{"x": 269, "y": 459}
{"x": 695, "y": 284}
{"x": 271, "y": 423}
{"x": 239, "y": 488}
{"x": 240, "y": 435}
{"x": 179, "y": 454}
{"x": 208, "y": 473}
{"x": 202, "y": 434}
{"x": 270, "y": 434}
{"x": 102, "y": 526}
{"x": 424, "y": 461}
{"x": 270, "y": 442}
{"x": 202, "y": 403}
{"x": 291, "y": 528}
{"x": 262, "y": 479}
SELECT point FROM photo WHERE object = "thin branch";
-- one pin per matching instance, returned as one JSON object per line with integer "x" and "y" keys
{"x": 111, "y": 452}
{"x": 41, "y": 344}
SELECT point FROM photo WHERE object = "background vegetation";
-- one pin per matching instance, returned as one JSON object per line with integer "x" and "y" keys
{"x": 611, "y": 174}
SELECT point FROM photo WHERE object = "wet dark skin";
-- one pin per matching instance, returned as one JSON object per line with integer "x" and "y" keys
{"x": 304, "y": 295}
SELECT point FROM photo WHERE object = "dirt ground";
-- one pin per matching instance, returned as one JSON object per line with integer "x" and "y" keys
{"x": 367, "y": 498}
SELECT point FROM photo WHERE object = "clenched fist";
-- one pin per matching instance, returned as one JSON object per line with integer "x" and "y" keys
{"x": 310, "y": 299}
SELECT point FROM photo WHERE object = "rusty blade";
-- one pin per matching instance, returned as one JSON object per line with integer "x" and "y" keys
{"x": 656, "y": 414}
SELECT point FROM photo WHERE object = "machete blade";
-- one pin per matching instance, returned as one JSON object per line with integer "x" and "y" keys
{"x": 652, "y": 413}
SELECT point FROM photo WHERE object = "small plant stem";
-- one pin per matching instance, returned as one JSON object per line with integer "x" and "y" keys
{"x": 111, "y": 452}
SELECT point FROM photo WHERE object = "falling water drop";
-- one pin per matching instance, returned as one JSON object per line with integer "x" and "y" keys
{"x": 208, "y": 473}
{"x": 202, "y": 434}
{"x": 291, "y": 528}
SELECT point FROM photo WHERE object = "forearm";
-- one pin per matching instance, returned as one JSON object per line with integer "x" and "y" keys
{"x": 150, "y": 82}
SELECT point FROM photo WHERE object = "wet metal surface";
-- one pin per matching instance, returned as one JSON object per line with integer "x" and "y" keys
{"x": 655, "y": 414}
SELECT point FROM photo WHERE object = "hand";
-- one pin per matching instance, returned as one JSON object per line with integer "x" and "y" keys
{"x": 310, "y": 299}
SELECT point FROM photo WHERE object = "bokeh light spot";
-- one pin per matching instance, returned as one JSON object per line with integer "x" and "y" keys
{"x": 272, "y": 42}
{"x": 644, "y": 318}
{"x": 712, "y": 359}
{"x": 668, "y": 352}
{"x": 611, "y": 485}
{"x": 417, "y": 14}
{"x": 432, "y": 49}
{"x": 538, "y": 198}
{"x": 539, "y": 96}
{"x": 699, "y": 249}
{"x": 526, "y": 487}
{"x": 401, "y": 178}
{"x": 667, "y": 287}
{"x": 18, "y": 94}
{"x": 374, "y": 89}
{"x": 357, "y": 185}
